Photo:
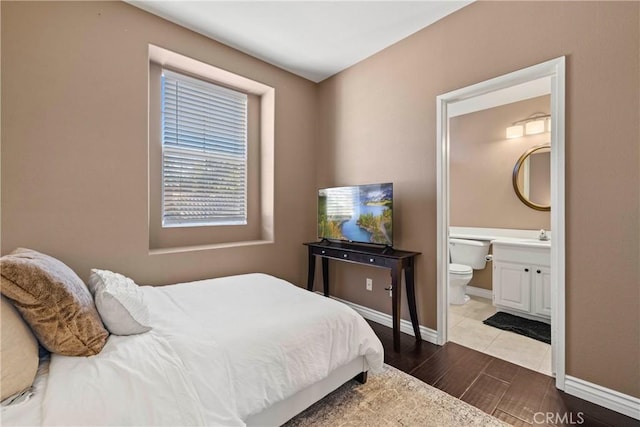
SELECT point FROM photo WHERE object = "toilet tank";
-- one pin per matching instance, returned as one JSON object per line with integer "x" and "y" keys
{"x": 469, "y": 252}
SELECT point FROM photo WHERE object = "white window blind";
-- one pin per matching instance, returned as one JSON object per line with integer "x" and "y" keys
{"x": 204, "y": 153}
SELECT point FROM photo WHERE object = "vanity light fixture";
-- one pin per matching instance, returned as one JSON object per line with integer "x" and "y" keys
{"x": 515, "y": 131}
{"x": 534, "y": 124}
{"x": 534, "y": 127}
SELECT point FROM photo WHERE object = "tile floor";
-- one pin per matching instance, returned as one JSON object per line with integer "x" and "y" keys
{"x": 466, "y": 328}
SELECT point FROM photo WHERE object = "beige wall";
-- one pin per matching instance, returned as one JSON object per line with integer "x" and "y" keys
{"x": 481, "y": 165}
{"x": 379, "y": 124}
{"x": 75, "y": 143}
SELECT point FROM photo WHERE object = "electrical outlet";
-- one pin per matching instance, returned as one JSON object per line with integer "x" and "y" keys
{"x": 369, "y": 284}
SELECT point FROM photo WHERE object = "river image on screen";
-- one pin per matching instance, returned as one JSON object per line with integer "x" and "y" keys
{"x": 361, "y": 213}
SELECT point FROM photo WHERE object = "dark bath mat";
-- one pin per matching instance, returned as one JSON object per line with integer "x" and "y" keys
{"x": 529, "y": 328}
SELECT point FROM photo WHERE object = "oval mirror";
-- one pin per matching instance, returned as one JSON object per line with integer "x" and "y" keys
{"x": 532, "y": 177}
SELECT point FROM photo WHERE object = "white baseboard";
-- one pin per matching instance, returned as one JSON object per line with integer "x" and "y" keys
{"x": 427, "y": 334}
{"x": 605, "y": 397}
{"x": 480, "y": 292}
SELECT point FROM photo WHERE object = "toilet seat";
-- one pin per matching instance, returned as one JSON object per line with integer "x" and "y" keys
{"x": 460, "y": 269}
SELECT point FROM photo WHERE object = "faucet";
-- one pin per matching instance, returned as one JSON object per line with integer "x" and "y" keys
{"x": 543, "y": 235}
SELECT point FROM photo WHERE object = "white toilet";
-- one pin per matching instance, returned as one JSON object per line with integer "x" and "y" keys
{"x": 466, "y": 256}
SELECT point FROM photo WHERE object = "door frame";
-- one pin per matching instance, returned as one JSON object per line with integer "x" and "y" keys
{"x": 555, "y": 70}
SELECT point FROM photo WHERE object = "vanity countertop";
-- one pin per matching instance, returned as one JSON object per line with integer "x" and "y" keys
{"x": 501, "y": 235}
{"x": 529, "y": 243}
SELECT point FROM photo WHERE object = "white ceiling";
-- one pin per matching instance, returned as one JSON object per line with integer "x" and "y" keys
{"x": 313, "y": 39}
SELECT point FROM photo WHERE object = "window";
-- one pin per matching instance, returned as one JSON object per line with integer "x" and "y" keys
{"x": 204, "y": 153}
{"x": 211, "y": 156}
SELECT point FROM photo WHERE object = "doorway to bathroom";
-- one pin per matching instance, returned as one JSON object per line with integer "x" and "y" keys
{"x": 490, "y": 189}
{"x": 485, "y": 207}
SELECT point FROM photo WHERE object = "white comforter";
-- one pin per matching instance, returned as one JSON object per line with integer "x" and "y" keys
{"x": 220, "y": 350}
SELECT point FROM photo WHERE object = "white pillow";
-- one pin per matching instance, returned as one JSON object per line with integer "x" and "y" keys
{"x": 120, "y": 303}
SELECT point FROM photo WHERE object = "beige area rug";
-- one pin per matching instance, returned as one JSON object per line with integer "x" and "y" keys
{"x": 392, "y": 398}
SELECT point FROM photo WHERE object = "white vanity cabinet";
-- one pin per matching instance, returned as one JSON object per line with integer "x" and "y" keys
{"x": 522, "y": 278}
{"x": 542, "y": 291}
{"x": 512, "y": 286}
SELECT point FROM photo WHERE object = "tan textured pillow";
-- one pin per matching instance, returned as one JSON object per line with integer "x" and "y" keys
{"x": 54, "y": 301}
{"x": 18, "y": 352}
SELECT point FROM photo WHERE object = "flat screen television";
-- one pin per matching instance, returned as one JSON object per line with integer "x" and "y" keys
{"x": 358, "y": 213}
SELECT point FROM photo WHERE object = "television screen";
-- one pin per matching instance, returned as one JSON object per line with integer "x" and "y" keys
{"x": 359, "y": 213}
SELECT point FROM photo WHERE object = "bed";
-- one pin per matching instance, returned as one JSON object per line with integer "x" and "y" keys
{"x": 242, "y": 350}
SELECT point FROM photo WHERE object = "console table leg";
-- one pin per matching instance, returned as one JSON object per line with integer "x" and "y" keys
{"x": 395, "y": 302}
{"x": 312, "y": 270}
{"x": 325, "y": 276}
{"x": 411, "y": 300}
{"x": 395, "y": 260}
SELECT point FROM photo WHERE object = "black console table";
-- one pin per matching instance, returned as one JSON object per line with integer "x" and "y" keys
{"x": 393, "y": 259}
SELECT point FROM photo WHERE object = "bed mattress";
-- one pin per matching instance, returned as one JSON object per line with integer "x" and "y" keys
{"x": 220, "y": 351}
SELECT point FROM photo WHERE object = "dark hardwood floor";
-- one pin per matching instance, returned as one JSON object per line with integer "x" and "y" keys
{"x": 511, "y": 393}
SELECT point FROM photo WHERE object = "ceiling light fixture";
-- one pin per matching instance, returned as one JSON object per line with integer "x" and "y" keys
{"x": 532, "y": 125}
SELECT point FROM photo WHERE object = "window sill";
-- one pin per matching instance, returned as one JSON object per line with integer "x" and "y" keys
{"x": 180, "y": 249}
